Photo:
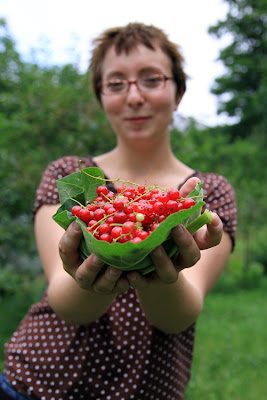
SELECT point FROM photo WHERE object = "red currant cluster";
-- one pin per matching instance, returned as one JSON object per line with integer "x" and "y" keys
{"x": 132, "y": 214}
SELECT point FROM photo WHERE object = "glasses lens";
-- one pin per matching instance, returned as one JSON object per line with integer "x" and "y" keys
{"x": 114, "y": 86}
{"x": 152, "y": 82}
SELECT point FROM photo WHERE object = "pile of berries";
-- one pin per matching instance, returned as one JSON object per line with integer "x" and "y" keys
{"x": 131, "y": 214}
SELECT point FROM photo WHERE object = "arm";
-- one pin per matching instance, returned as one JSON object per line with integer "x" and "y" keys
{"x": 69, "y": 277}
{"x": 174, "y": 298}
{"x": 173, "y": 306}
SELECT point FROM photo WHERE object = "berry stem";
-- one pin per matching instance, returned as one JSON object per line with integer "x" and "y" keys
{"x": 203, "y": 219}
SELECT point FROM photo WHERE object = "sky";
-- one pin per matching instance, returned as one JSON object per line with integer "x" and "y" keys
{"x": 62, "y": 31}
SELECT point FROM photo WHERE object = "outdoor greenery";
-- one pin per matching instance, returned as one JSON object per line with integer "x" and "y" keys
{"x": 47, "y": 112}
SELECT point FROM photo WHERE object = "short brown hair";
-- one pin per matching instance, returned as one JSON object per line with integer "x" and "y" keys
{"x": 124, "y": 39}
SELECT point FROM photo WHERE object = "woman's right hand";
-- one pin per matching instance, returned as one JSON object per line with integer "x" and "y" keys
{"x": 87, "y": 273}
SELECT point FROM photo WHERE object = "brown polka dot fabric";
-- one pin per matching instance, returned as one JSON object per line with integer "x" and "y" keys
{"x": 120, "y": 356}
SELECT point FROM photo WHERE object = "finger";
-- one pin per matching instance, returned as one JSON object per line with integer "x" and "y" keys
{"x": 69, "y": 244}
{"x": 189, "y": 252}
{"x": 210, "y": 235}
{"x": 86, "y": 274}
{"x": 136, "y": 280}
{"x": 106, "y": 282}
{"x": 188, "y": 186}
{"x": 164, "y": 266}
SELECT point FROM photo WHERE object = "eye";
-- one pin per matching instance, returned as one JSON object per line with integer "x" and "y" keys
{"x": 152, "y": 81}
{"x": 114, "y": 85}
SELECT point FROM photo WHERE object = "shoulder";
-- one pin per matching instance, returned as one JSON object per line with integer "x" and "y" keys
{"x": 215, "y": 185}
{"x": 220, "y": 198}
{"x": 47, "y": 190}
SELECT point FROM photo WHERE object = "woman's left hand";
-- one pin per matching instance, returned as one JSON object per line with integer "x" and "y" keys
{"x": 167, "y": 269}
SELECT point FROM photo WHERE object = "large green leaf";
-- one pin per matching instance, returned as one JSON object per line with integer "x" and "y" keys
{"x": 81, "y": 186}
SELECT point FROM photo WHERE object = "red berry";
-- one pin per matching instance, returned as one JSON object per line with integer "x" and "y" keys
{"x": 118, "y": 204}
{"x": 110, "y": 220}
{"x": 111, "y": 210}
{"x": 128, "y": 209}
{"x": 173, "y": 194}
{"x": 104, "y": 228}
{"x": 154, "y": 226}
{"x": 116, "y": 232}
{"x": 163, "y": 197}
{"x": 161, "y": 218}
{"x": 85, "y": 215}
{"x": 107, "y": 206}
{"x": 121, "y": 189}
{"x": 186, "y": 203}
{"x": 111, "y": 195}
{"x": 102, "y": 190}
{"x": 149, "y": 209}
{"x": 136, "y": 240}
{"x": 141, "y": 189}
{"x": 142, "y": 234}
{"x": 91, "y": 207}
{"x": 99, "y": 214}
{"x": 120, "y": 217}
{"x": 171, "y": 206}
{"x": 132, "y": 217}
{"x": 75, "y": 210}
{"x": 159, "y": 208}
{"x": 128, "y": 228}
{"x": 106, "y": 237}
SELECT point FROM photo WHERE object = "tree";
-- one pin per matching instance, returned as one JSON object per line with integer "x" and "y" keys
{"x": 245, "y": 79}
{"x": 45, "y": 112}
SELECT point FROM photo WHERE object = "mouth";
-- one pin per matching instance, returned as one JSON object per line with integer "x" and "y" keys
{"x": 138, "y": 119}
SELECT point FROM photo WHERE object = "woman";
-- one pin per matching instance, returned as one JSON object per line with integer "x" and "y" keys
{"x": 113, "y": 336}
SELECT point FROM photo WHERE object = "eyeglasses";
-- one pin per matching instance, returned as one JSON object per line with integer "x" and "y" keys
{"x": 146, "y": 83}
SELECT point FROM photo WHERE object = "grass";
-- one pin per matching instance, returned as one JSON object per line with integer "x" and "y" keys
{"x": 230, "y": 349}
{"x": 230, "y": 357}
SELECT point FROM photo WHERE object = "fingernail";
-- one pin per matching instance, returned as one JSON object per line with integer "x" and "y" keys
{"x": 157, "y": 252}
{"x": 97, "y": 261}
{"x": 178, "y": 230}
{"x": 76, "y": 226}
{"x": 114, "y": 272}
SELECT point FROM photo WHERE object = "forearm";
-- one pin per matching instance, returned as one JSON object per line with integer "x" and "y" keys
{"x": 171, "y": 307}
{"x": 74, "y": 304}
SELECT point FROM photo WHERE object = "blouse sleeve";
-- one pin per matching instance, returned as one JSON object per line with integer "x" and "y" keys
{"x": 220, "y": 198}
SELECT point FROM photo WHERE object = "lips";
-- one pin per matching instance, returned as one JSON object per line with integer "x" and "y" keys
{"x": 138, "y": 119}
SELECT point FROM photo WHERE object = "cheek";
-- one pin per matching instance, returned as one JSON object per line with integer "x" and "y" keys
{"x": 112, "y": 106}
{"x": 164, "y": 103}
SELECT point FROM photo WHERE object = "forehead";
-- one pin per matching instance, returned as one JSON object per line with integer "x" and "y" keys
{"x": 139, "y": 58}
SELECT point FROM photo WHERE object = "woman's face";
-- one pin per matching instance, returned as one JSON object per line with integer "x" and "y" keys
{"x": 139, "y": 115}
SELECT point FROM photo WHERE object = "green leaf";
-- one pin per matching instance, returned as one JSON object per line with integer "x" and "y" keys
{"x": 81, "y": 187}
{"x": 83, "y": 182}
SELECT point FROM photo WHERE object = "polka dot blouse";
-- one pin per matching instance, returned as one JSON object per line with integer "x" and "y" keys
{"x": 120, "y": 356}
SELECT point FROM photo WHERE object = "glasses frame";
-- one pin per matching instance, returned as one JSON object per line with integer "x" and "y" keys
{"x": 132, "y": 82}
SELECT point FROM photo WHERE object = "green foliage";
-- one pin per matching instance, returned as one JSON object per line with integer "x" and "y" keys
{"x": 229, "y": 360}
{"x": 245, "y": 79}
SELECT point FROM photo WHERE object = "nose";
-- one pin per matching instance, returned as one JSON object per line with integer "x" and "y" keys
{"x": 134, "y": 96}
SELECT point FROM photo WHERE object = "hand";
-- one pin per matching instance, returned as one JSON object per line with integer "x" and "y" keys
{"x": 87, "y": 273}
{"x": 210, "y": 235}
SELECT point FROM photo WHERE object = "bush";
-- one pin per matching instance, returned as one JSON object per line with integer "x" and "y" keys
{"x": 236, "y": 277}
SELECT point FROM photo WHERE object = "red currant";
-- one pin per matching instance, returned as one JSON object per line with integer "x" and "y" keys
{"x": 102, "y": 190}
{"x": 75, "y": 210}
{"x": 85, "y": 215}
{"x": 106, "y": 237}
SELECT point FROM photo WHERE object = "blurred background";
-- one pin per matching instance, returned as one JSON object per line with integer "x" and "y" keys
{"x": 47, "y": 110}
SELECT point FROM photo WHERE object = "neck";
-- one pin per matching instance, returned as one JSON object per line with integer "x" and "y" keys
{"x": 148, "y": 164}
